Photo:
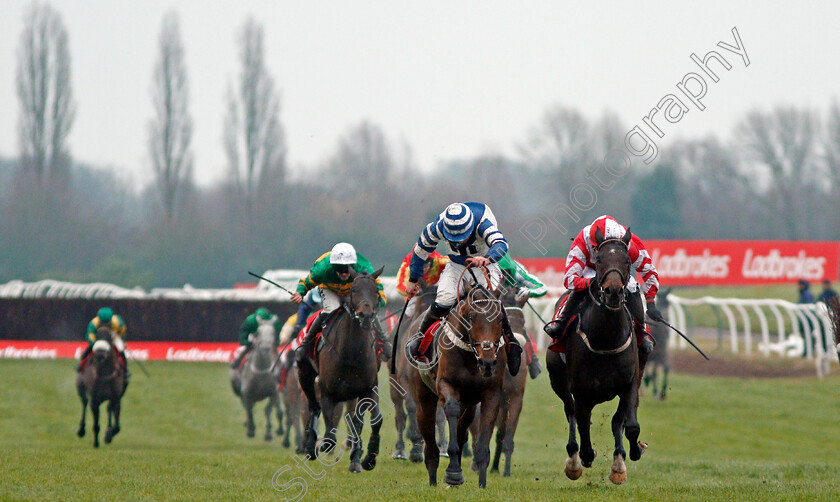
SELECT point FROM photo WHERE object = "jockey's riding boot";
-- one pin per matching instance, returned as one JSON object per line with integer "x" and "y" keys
{"x": 238, "y": 360}
{"x": 382, "y": 342}
{"x": 643, "y": 337}
{"x": 419, "y": 347}
{"x": 514, "y": 350}
{"x": 82, "y": 357}
{"x": 302, "y": 352}
{"x": 556, "y": 329}
{"x": 534, "y": 366}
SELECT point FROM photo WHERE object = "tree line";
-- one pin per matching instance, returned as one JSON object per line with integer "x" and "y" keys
{"x": 776, "y": 177}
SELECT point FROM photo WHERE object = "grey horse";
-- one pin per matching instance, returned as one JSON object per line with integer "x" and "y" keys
{"x": 257, "y": 380}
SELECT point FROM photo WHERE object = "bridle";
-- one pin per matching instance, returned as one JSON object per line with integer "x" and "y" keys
{"x": 350, "y": 306}
{"x": 492, "y": 303}
{"x": 600, "y": 301}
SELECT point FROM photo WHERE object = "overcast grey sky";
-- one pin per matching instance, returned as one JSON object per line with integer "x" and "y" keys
{"x": 452, "y": 79}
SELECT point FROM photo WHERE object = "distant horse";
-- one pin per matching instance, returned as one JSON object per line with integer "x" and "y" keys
{"x": 101, "y": 379}
{"x": 404, "y": 405}
{"x": 513, "y": 393}
{"x": 257, "y": 380}
{"x": 659, "y": 358}
{"x": 470, "y": 370}
{"x": 293, "y": 401}
{"x": 348, "y": 365}
{"x": 602, "y": 362}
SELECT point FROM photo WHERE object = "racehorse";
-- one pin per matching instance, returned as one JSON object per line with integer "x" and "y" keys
{"x": 293, "y": 400}
{"x": 470, "y": 371}
{"x": 404, "y": 405}
{"x": 257, "y": 380}
{"x": 659, "y": 357}
{"x": 513, "y": 392}
{"x": 602, "y": 362}
{"x": 348, "y": 365}
{"x": 101, "y": 379}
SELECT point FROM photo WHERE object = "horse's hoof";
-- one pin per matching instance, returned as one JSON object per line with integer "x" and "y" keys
{"x": 573, "y": 467}
{"x": 492, "y": 469}
{"x": 454, "y": 478}
{"x": 279, "y": 432}
{"x": 80, "y": 432}
{"x": 369, "y": 462}
{"x": 355, "y": 467}
{"x": 618, "y": 478}
{"x": 416, "y": 456}
{"x": 348, "y": 444}
{"x": 286, "y": 442}
{"x": 636, "y": 453}
{"x": 474, "y": 466}
{"x": 269, "y": 437}
{"x": 96, "y": 444}
{"x": 399, "y": 455}
{"x": 108, "y": 437}
{"x": 250, "y": 433}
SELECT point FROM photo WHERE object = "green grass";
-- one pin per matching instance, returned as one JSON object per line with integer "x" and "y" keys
{"x": 183, "y": 439}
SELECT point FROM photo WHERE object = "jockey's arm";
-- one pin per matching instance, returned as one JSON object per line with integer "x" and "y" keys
{"x": 248, "y": 327}
{"x": 575, "y": 264}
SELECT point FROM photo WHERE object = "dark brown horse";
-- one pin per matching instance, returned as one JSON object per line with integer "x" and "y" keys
{"x": 602, "y": 362}
{"x": 348, "y": 366}
{"x": 470, "y": 371}
{"x": 102, "y": 379}
{"x": 405, "y": 408}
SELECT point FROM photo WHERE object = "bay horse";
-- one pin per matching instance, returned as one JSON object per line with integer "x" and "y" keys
{"x": 257, "y": 380}
{"x": 405, "y": 408}
{"x": 102, "y": 379}
{"x": 470, "y": 371}
{"x": 347, "y": 370}
{"x": 513, "y": 392}
{"x": 602, "y": 362}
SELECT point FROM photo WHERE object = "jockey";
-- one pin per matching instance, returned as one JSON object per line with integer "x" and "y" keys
{"x": 526, "y": 286}
{"x": 249, "y": 328}
{"x": 473, "y": 238}
{"x": 332, "y": 272}
{"x": 580, "y": 271}
{"x": 105, "y": 316}
{"x": 311, "y": 302}
{"x": 432, "y": 269}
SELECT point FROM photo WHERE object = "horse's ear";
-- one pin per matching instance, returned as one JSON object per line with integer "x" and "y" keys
{"x": 378, "y": 272}
{"x": 626, "y": 237}
{"x": 599, "y": 236}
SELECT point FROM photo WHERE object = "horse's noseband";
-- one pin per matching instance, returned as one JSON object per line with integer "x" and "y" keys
{"x": 625, "y": 278}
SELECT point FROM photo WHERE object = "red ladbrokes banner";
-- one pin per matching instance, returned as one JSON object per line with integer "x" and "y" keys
{"x": 702, "y": 263}
{"x": 143, "y": 351}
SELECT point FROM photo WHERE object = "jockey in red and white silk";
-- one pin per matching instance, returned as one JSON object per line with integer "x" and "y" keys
{"x": 580, "y": 272}
{"x": 580, "y": 269}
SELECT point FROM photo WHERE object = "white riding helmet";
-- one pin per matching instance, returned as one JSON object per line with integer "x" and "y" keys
{"x": 343, "y": 254}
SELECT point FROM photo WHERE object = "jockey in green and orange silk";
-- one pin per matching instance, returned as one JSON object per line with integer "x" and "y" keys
{"x": 517, "y": 277}
{"x": 333, "y": 273}
{"x": 249, "y": 328}
{"x": 106, "y": 317}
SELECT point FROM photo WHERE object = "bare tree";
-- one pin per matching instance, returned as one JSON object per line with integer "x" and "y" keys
{"x": 170, "y": 131}
{"x": 254, "y": 138}
{"x": 782, "y": 143}
{"x": 363, "y": 160}
{"x": 45, "y": 93}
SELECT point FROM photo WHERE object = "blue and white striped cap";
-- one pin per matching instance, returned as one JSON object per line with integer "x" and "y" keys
{"x": 458, "y": 222}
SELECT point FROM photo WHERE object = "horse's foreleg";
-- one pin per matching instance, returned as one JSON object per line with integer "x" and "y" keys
{"x": 632, "y": 430}
{"x": 449, "y": 400}
{"x": 248, "y": 403}
{"x": 356, "y": 418}
{"x": 372, "y": 399}
{"x": 272, "y": 402}
{"x": 583, "y": 414}
{"x": 501, "y": 430}
{"x": 306, "y": 379}
{"x": 81, "y": 431}
{"x": 664, "y": 391}
{"x": 490, "y": 404}
{"x": 278, "y": 403}
{"x": 399, "y": 423}
{"x": 94, "y": 408}
{"x": 618, "y": 472}
{"x": 417, "y": 442}
{"x": 441, "y": 427}
{"x": 109, "y": 433}
{"x": 511, "y": 420}
{"x": 427, "y": 405}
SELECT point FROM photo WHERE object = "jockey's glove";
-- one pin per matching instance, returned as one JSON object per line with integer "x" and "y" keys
{"x": 654, "y": 312}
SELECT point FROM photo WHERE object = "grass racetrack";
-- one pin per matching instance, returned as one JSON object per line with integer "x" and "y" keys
{"x": 182, "y": 438}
